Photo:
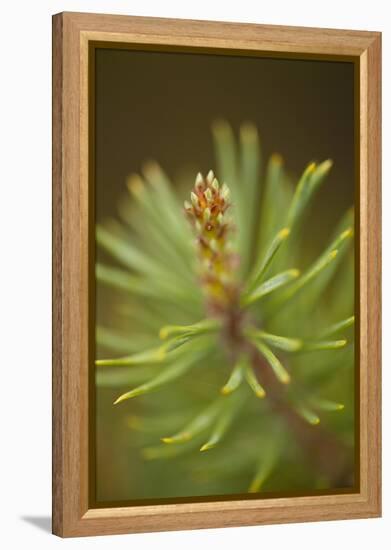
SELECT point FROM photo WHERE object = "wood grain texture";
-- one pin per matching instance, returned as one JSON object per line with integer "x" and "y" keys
{"x": 57, "y": 274}
{"x": 373, "y": 262}
{"x": 71, "y": 35}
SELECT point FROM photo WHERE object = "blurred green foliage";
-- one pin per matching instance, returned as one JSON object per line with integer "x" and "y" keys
{"x": 271, "y": 410}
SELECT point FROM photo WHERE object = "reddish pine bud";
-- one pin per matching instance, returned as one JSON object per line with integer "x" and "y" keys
{"x": 217, "y": 262}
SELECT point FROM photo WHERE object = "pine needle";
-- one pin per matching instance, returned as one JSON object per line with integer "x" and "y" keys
{"x": 266, "y": 464}
{"x": 280, "y": 372}
{"x": 223, "y": 423}
{"x": 235, "y": 378}
{"x": 168, "y": 374}
{"x": 339, "y": 327}
{"x": 272, "y": 250}
{"x": 253, "y": 382}
{"x": 272, "y": 284}
{"x": 324, "y": 345}
{"x": 307, "y": 415}
{"x": 200, "y": 423}
{"x": 280, "y": 342}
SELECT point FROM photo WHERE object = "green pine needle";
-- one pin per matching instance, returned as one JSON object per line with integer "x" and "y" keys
{"x": 258, "y": 274}
{"x": 253, "y": 382}
{"x": 339, "y": 327}
{"x": 271, "y": 285}
{"x": 167, "y": 375}
{"x": 280, "y": 372}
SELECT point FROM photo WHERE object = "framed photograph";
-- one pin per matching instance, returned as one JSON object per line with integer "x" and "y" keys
{"x": 216, "y": 274}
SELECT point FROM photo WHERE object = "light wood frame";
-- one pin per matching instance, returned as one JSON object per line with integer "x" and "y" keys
{"x": 71, "y": 35}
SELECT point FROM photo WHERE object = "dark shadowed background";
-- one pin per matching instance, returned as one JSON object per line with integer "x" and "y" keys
{"x": 161, "y": 105}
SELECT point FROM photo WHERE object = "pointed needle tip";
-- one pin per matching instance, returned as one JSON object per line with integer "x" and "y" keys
{"x": 341, "y": 343}
{"x": 284, "y": 233}
{"x": 163, "y": 333}
{"x": 118, "y": 400}
{"x": 276, "y": 158}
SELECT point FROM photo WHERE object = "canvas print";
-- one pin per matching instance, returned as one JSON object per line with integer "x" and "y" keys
{"x": 224, "y": 277}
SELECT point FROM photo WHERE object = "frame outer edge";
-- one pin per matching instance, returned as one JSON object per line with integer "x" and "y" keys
{"x": 374, "y": 273}
{"x": 68, "y": 517}
{"x": 57, "y": 275}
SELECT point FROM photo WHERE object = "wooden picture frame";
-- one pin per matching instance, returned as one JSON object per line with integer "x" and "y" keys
{"x": 72, "y": 196}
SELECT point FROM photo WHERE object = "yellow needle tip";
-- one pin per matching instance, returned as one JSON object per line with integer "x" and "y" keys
{"x": 206, "y": 447}
{"x": 119, "y": 399}
{"x": 276, "y": 158}
{"x": 284, "y": 233}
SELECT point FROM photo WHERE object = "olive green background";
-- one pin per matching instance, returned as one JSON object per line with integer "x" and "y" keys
{"x": 160, "y": 105}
